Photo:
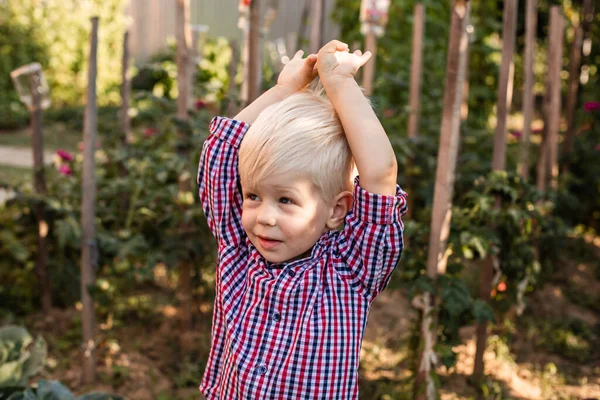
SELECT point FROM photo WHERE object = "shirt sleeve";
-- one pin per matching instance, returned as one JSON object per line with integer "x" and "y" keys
{"x": 218, "y": 179}
{"x": 371, "y": 242}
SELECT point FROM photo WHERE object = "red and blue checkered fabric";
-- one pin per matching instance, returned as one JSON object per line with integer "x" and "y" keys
{"x": 290, "y": 330}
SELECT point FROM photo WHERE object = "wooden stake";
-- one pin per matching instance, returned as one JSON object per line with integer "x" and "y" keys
{"x": 415, "y": 70}
{"x": 555, "y": 50}
{"x": 415, "y": 89}
{"x": 505, "y": 83}
{"x": 369, "y": 67}
{"x": 443, "y": 191}
{"x": 183, "y": 37}
{"x": 89, "y": 248}
{"x": 303, "y": 24}
{"x": 528, "y": 95}
{"x": 125, "y": 92}
{"x": 573, "y": 84}
{"x": 254, "y": 53}
{"x": 231, "y": 105}
{"x": 39, "y": 184}
{"x": 316, "y": 25}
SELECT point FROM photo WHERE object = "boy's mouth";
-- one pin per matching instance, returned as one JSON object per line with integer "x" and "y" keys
{"x": 268, "y": 243}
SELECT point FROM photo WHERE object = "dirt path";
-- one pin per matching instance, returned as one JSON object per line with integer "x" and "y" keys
{"x": 21, "y": 156}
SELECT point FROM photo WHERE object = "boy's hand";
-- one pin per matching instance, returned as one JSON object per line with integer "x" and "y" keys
{"x": 335, "y": 62}
{"x": 298, "y": 73}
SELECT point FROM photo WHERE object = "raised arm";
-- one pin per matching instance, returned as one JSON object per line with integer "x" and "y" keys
{"x": 371, "y": 148}
{"x": 295, "y": 76}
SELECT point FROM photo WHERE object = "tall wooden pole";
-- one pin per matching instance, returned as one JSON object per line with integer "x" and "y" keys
{"x": 183, "y": 37}
{"x": 39, "y": 182}
{"x": 555, "y": 51}
{"x": 528, "y": 94}
{"x": 303, "y": 24}
{"x": 89, "y": 248}
{"x": 574, "y": 75}
{"x": 369, "y": 68}
{"x": 415, "y": 70}
{"x": 317, "y": 25}
{"x": 231, "y": 106}
{"x": 253, "y": 53}
{"x": 505, "y": 83}
{"x": 415, "y": 86}
{"x": 443, "y": 191}
{"x": 125, "y": 91}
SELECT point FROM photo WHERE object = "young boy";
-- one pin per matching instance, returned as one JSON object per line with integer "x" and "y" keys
{"x": 292, "y": 292}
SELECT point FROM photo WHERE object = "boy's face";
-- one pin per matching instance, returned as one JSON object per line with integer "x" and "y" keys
{"x": 284, "y": 217}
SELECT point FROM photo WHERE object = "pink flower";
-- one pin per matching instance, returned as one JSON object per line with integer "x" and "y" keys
{"x": 64, "y": 169}
{"x": 149, "y": 132}
{"x": 516, "y": 134}
{"x": 591, "y": 106}
{"x": 64, "y": 155}
{"x": 597, "y": 147}
{"x": 199, "y": 104}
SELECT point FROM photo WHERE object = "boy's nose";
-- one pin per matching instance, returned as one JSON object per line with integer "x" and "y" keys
{"x": 266, "y": 216}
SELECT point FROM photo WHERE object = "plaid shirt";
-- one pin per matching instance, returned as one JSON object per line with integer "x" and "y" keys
{"x": 290, "y": 330}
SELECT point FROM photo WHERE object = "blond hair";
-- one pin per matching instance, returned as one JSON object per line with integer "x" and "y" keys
{"x": 300, "y": 136}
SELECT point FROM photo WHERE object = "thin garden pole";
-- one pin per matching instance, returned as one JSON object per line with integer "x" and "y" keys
{"x": 254, "y": 53}
{"x": 303, "y": 24}
{"x": 39, "y": 183}
{"x": 555, "y": 51}
{"x": 369, "y": 68}
{"x": 415, "y": 86}
{"x": 528, "y": 94}
{"x": 443, "y": 191}
{"x": 233, "y": 64}
{"x": 125, "y": 92}
{"x": 89, "y": 249}
{"x": 415, "y": 70}
{"x": 505, "y": 83}
{"x": 317, "y": 25}
{"x": 183, "y": 37}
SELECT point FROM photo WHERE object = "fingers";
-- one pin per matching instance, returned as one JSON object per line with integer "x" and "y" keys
{"x": 298, "y": 55}
{"x": 365, "y": 57}
{"x": 333, "y": 46}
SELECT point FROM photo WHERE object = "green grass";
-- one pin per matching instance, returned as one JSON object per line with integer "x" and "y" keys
{"x": 56, "y": 136}
{"x": 12, "y": 176}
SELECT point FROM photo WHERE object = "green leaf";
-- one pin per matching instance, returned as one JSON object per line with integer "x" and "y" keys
{"x": 482, "y": 311}
{"x": 53, "y": 390}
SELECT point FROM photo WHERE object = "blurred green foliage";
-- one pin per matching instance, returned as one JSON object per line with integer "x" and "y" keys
{"x": 139, "y": 214}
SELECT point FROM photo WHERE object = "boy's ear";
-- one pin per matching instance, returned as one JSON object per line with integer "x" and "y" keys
{"x": 342, "y": 203}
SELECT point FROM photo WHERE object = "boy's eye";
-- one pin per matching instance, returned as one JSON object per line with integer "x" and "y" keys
{"x": 252, "y": 196}
{"x": 286, "y": 200}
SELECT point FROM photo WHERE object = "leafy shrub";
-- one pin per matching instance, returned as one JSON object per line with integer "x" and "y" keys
{"x": 19, "y": 45}
{"x": 57, "y": 391}
{"x": 21, "y": 356}
{"x": 139, "y": 215}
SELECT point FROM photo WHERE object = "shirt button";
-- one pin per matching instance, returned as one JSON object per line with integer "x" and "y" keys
{"x": 276, "y": 317}
{"x": 261, "y": 370}
{"x": 291, "y": 272}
